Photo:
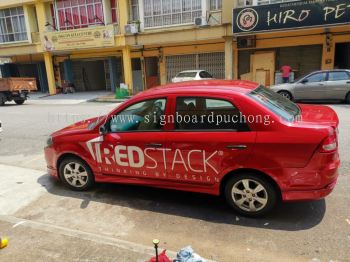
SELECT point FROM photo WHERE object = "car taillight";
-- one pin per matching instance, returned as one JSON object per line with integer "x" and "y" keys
{"x": 329, "y": 144}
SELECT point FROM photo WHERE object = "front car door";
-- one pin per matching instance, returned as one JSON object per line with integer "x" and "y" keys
{"x": 131, "y": 150}
{"x": 338, "y": 85}
{"x": 311, "y": 87}
{"x": 202, "y": 146}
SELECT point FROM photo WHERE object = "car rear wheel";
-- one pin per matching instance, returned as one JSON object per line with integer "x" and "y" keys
{"x": 76, "y": 174}
{"x": 286, "y": 94}
{"x": 250, "y": 194}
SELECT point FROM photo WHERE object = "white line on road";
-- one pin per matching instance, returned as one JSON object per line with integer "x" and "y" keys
{"x": 19, "y": 223}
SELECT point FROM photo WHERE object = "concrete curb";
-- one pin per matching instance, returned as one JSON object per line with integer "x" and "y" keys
{"x": 107, "y": 100}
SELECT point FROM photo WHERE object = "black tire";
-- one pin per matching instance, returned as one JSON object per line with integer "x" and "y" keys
{"x": 19, "y": 102}
{"x": 2, "y": 99}
{"x": 268, "y": 194}
{"x": 72, "y": 162}
{"x": 286, "y": 94}
{"x": 347, "y": 99}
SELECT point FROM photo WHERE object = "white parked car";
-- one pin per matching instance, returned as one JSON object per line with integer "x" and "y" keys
{"x": 190, "y": 75}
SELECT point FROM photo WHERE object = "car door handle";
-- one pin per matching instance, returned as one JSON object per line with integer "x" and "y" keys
{"x": 239, "y": 147}
{"x": 154, "y": 145}
{"x": 348, "y": 82}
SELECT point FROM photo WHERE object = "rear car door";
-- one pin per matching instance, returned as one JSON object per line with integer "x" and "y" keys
{"x": 204, "y": 75}
{"x": 202, "y": 146}
{"x": 311, "y": 87}
{"x": 338, "y": 85}
{"x": 132, "y": 146}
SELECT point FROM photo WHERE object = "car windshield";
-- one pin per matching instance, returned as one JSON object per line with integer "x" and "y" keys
{"x": 281, "y": 106}
{"x": 187, "y": 74}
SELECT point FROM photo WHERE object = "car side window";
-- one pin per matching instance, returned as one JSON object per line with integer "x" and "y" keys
{"x": 204, "y": 74}
{"x": 338, "y": 76}
{"x": 201, "y": 113}
{"x": 318, "y": 77}
{"x": 141, "y": 116}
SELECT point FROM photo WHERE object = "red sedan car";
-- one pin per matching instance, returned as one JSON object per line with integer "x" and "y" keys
{"x": 234, "y": 138}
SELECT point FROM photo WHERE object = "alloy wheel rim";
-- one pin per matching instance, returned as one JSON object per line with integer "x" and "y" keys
{"x": 75, "y": 174}
{"x": 249, "y": 195}
{"x": 286, "y": 95}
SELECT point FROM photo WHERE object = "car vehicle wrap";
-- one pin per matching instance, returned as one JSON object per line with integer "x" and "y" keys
{"x": 292, "y": 156}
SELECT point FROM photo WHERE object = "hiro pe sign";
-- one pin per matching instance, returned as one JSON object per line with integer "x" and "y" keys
{"x": 291, "y": 15}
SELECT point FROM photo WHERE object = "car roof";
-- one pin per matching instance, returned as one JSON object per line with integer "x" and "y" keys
{"x": 205, "y": 86}
{"x": 330, "y": 70}
{"x": 191, "y": 71}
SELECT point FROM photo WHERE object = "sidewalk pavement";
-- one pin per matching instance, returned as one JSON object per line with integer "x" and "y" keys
{"x": 32, "y": 239}
{"x": 18, "y": 188}
{"x": 75, "y": 98}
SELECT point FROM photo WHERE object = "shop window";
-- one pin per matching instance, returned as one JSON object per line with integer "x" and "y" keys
{"x": 74, "y": 14}
{"x": 134, "y": 10}
{"x": 12, "y": 25}
{"x": 53, "y": 15}
{"x": 171, "y": 12}
{"x": 114, "y": 11}
{"x": 215, "y": 4}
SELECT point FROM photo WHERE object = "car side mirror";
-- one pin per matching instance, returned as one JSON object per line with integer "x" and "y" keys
{"x": 103, "y": 130}
{"x": 304, "y": 81}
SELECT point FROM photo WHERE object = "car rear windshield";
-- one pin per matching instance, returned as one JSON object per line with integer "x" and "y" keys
{"x": 281, "y": 106}
{"x": 187, "y": 74}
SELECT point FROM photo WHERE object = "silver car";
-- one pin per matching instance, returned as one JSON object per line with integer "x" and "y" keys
{"x": 190, "y": 75}
{"x": 319, "y": 85}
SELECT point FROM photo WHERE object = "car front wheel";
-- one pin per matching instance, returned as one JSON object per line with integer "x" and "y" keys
{"x": 76, "y": 174}
{"x": 250, "y": 194}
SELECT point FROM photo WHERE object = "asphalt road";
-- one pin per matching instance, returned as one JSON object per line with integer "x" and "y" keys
{"x": 118, "y": 222}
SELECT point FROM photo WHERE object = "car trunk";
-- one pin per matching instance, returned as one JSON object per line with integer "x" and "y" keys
{"x": 319, "y": 114}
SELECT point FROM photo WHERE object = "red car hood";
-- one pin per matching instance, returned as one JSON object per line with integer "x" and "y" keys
{"x": 78, "y": 127}
{"x": 319, "y": 114}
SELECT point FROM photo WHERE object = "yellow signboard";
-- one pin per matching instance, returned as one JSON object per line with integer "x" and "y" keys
{"x": 102, "y": 36}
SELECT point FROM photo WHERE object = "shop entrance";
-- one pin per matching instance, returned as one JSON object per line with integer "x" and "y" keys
{"x": 89, "y": 75}
{"x": 137, "y": 75}
{"x": 152, "y": 71}
{"x": 342, "y": 56}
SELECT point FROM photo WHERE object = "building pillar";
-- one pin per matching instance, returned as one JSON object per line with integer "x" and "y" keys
{"x": 328, "y": 52}
{"x": 228, "y": 58}
{"x": 123, "y": 14}
{"x": 127, "y": 68}
{"x": 162, "y": 70}
{"x": 112, "y": 62}
{"x": 41, "y": 15}
{"x": 235, "y": 61}
{"x": 50, "y": 73}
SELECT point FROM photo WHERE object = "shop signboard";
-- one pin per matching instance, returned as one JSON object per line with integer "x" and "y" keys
{"x": 92, "y": 37}
{"x": 290, "y": 15}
